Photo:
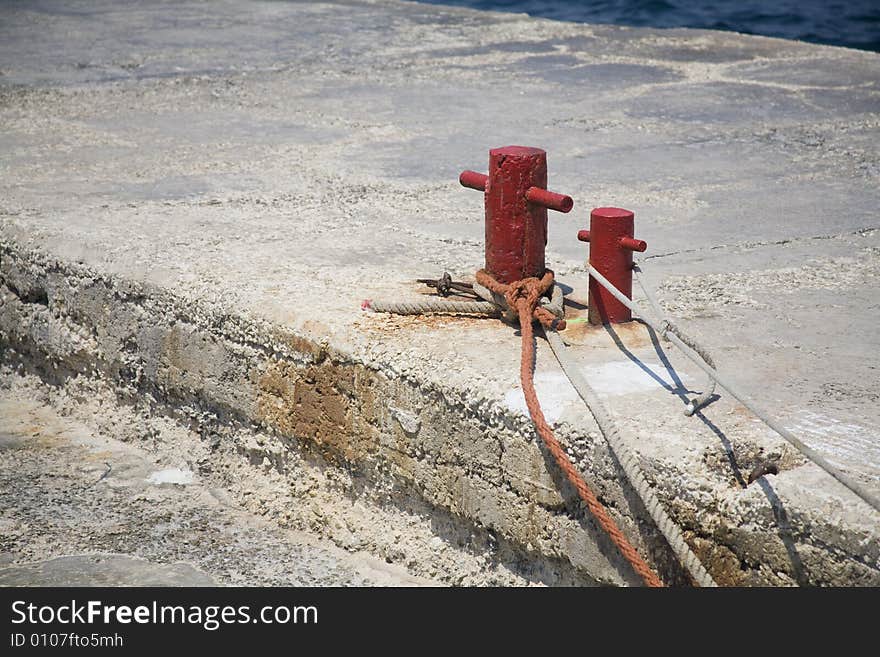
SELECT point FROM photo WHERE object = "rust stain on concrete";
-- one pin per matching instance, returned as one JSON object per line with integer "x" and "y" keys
{"x": 329, "y": 405}
{"x": 633, "y": 335}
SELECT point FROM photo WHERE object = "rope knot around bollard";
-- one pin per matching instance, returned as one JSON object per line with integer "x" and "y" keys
{"x": 523, "y": 300}
{"x": 516, "y": 203}
{"x": 523, "y": 296}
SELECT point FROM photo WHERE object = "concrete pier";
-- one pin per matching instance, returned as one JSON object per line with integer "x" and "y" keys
{"x": 195, "y": 199}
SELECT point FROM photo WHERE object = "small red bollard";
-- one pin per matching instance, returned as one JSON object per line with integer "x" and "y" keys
{"x": 611, "y": 247}
{"x": 516, "y": 211}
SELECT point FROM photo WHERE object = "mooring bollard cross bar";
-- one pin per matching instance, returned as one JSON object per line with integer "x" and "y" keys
{"x": 516, "y": 201}
{"x": 544, "y": 197}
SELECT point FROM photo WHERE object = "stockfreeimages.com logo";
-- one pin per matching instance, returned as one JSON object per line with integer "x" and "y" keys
{"x": 210, "y": 617}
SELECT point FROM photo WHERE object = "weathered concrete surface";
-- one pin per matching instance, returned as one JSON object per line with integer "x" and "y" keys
{"x": 194, "y": 201}
{"x": 81, "y": 509}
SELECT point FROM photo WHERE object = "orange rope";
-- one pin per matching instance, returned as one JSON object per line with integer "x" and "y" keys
{"x": 523, "y": 296}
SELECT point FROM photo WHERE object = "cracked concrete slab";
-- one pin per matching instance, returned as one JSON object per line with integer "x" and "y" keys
{"x": 189, "y": 227}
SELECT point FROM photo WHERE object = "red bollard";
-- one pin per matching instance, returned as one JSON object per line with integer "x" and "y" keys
{"x": 516, "y": 211}
{"x": 611, "y": 246}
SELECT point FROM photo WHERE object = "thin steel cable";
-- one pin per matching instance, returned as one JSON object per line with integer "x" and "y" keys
{"x": 854, "y": 486}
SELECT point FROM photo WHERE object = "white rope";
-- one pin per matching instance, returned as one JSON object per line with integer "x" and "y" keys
{"x": 424, "y": 306}
{"x": 666, "y": 327}
{"x": 625, "y": 456}
{"x": 630, "y": 464}
{"x": 744, "y": 399}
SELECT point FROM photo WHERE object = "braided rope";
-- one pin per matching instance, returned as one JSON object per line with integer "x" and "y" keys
{"x": 630, "y": 464}
{"x": 666, "y": 326}
{"x": 530, "y": 289}
{"x": 854, "y": 486}
{"x": 523, "y": 295}
{"x": 432, "y": 306}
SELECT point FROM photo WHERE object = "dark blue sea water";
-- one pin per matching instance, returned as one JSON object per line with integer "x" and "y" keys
{"x": 854, "y": 23}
